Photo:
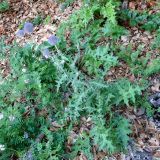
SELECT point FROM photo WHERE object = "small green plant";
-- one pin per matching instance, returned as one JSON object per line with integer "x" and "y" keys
{"x": 139, "y": 65}
{"x": 4, "y": 6}
{"x": 99, "y": 61}
{"x": 153, "y": 67}
{"x": 37, "y": 20}
{"x": 21, "y": 25}
{"x": 156, "y": 42}
{"x": 47, "y": 20}
{"x": 144, "y": 20}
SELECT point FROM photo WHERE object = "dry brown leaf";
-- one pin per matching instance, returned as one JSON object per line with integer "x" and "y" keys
{"x": 82, "y": 157}
{"x": 132, "y": 5}
{"x": 157, "y": 154}
{"x": 1, "y": 29}
{"x": 151, "y": 3}
{"x": 132, "y": 78}
{"x": 55, "y": 126}
{"x": 140, "y": 142}
{"x": 156, "y": 87}
{"x": 154, "y": 141}
{"x": 101, "y": 155}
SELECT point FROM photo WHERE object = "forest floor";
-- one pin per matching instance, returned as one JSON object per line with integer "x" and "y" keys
{"x": 146, "y": 134}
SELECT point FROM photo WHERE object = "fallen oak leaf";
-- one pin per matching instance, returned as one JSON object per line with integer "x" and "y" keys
{"x": 55, "y": 126}
{"x": 1, "y": 29}
{"x": 151, "y": 4}
{"x": 154, "y": 141}
{"x": 157, "y": 154}
{"x": 132, "y": 5}
{"x": 156, "y": 87}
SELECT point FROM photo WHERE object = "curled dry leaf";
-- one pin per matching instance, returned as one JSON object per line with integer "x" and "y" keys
{"x": 151, "y": 3}
{"x": 81, "y": 157}
{"x": 156, "y": 87}
{"x": 72, "y": 137}
{"x": 132, "y": 5}
{"x": 55, "y": 126}
{"x": 1, "y": 29}
{"x": 157, "y": 154}
{"x": 140, "y": 142}
{"x": 154, "y": 141}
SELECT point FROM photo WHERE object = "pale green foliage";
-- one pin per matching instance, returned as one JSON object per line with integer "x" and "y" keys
{"x": 83, "y": 145}
{"x": 109, "y": 137}
{"x": 109, "y": 11}
{"x": 101, "y": 136}
{"x": 153, "y": 67}
{"x": 47, "y": 20}
{"x": 99, "y": 61}
{"x": 157, "y": 40}
{"x": 113, "y": 31}
{"x": 122, "y": 131}
{"x": 3, "y": 48}
{"x": 31, "y": 85}
{"x": 139, "y": 65}
{"x": 86, "y": 25}
{"x": 47, "y": 82}
{"x": 4, "y": 5}
{"x": 128, "y": 92}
